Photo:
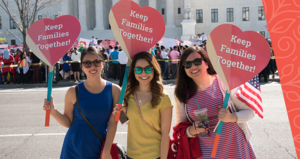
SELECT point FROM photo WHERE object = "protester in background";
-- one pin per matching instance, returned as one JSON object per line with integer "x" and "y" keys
{"x": 272, "y": 62}
{"x": 145, "y": 97}
{"x": 7, "y": 60}
{"x": 66, "y": 66}
{"x": 159, "y": 59}
{"x": 123, "y": 61}
{"x": 155, "y": 47}
{"x": 166, "y": 62}
{"x": 75, "y": 65}
{"x": 30, "y": 71}
{"x": 170, "y": 64}
{"x": 105, "y": 63}
{"x": 178, "y": 50}
{"x": 16, "y": 62}
{"x": 93, "y": 42}
{"x": 97, "y": 98}
{"x": 191, "y": 38}
{"x": 197, "y": 82}
{"x": 56, "y": 69}
{"x": 14, "y": 71}
{"x": 1, "y": 75}
{"x": 174, "y": 57}
{"x": 204, "y": 46}
{"x": 110, "y": 50}
{"x": 23, "y": 68}
{"x": 109, "y": 68}
{"x": 115, "y": 63}
{"x": 97, "y": 42}
{"x": 203, "y": 37}
{"x": 36, "y": 68}
{"x": 1, "y": 81}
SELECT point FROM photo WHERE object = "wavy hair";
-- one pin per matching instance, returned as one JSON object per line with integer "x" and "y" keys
{"x": 185, "y": 87}
{"x": 155, "y": 84}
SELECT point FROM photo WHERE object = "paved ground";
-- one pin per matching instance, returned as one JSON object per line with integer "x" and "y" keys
{"x": 23, "y": 135}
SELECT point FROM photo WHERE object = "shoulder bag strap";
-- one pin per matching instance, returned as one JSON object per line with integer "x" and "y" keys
{"x": 138, "y": 106}
{"x": 96, "y": 132}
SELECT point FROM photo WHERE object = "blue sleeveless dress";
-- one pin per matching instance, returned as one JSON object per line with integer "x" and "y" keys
{"x": 81, "y": 141}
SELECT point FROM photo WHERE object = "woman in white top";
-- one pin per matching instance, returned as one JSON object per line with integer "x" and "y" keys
{"x": 24, "y": 70}
{"x": 76, "y": 66}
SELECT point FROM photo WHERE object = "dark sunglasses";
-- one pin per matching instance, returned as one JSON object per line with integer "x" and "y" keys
{"x": 139, "y": 70}
{"x": 88, "y": 64}
{"x": 188, "y": 64}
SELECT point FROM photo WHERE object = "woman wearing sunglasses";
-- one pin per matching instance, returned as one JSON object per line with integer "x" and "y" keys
{"x": 197, "y": 82}
{"x": 148, "y": 108}
{"x": 96, "y": 97}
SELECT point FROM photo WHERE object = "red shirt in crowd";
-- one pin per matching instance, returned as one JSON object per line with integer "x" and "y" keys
{"x": 7, "y": 62}
{"x": 17, "y": 59}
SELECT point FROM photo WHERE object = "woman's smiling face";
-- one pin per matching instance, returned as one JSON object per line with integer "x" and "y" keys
{"x": 143, "y": 78}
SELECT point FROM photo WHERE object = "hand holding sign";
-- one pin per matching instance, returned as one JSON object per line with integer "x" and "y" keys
{"x": 237, "y": 57}
{"x": 136, "y": 29}
{"x": 49, "y": 40}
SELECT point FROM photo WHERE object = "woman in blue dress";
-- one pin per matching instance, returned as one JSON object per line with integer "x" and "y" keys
{"x": 97, "y": 97}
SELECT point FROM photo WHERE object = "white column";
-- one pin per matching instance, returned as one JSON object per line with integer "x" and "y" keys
{"x": 137, "y": 1}
{"x": 170, "y": 14}
{"x": 82, "y": 14}
{"x": 152, "y": 3}
{"x": 65, "y": 7}
{"x": 114, "y": 2}
{"x": 99, "y": 15}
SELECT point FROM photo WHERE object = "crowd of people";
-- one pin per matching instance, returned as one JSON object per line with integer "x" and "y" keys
{"x": 115, "y": 63}
{"x": 19, "y": 67}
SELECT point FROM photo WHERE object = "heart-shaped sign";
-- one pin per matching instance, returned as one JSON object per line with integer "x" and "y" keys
{"x": 113, "y": 43}
{"x": 50, "y": 39}
{"x": 237, "y": 56}
{"x": 75, "y": 43}
{"x": 105, "y": 44}
{"x": 136, "y": 28}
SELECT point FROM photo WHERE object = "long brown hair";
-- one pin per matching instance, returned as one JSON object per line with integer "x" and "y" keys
{"x": 185, "y": 87}
{"x": 155, "y": 84}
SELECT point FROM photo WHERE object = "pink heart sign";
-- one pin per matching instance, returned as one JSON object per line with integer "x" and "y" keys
{"x": 237, "y": 56}
{"x": 50, "y": 39}
{"x": 75, "y": 43}
{"x": 136, "y": 28}
{"x": 105, "y": 44}
{"x": 113, "y": 43}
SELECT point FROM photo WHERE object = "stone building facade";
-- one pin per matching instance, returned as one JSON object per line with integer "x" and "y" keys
{"x": 93, "y": 16}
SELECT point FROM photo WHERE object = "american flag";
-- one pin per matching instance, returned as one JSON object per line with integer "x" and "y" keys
{"x": 249, "y": 93}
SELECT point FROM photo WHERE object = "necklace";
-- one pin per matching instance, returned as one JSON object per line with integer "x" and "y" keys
{"x": 140, "y": 101}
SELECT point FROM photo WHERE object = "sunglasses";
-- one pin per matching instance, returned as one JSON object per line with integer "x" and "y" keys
{"x": 139, "y": 70}
{"x": 188, "y": 64}
{"x": 88, "y": 64}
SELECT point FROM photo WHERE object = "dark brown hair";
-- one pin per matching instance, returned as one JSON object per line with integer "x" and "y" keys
{"x": 185, "y": 87}
{"x": 155, "y": 84}
{"x": 90, "y": 50}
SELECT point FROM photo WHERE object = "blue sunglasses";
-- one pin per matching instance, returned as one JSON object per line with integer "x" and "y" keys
{"x": 139, "y": 70}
